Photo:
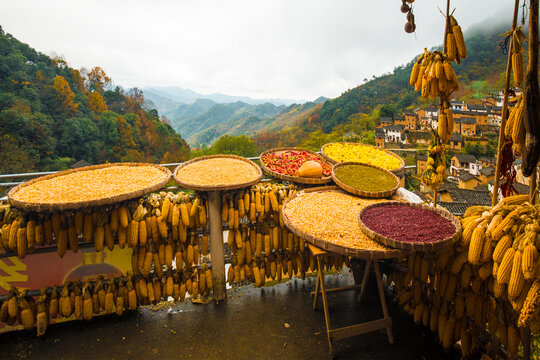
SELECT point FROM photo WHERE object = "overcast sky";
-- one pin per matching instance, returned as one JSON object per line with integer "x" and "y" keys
{"x": 282, "y": 48}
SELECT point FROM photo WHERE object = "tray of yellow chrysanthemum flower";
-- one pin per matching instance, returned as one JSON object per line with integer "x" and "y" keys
{"x": 338, "y": 152}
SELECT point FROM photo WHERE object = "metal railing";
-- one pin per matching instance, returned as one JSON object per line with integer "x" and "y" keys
{"x": 27, "y": 176}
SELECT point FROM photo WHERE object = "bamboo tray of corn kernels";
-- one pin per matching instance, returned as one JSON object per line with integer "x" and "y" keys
{"x": 89, "y": 186}
{"x": 327, "y": 217}
{"x": 217, "y": 172}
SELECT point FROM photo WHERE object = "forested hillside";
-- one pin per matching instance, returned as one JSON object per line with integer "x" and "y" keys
{"x": 52, "y": 115}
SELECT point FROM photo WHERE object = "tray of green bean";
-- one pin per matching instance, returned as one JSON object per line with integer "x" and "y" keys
{"x": 365, "y": 180}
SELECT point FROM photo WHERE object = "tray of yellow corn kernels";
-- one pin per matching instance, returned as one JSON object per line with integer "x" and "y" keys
{"x": 327, "y": 217}
{"x": 217, "y": 172}
{"x": 89, "y": 186}
{"x": 338, "y": 152}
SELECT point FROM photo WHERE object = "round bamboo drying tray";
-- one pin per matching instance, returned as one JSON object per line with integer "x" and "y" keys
{"x": 329, "y": 246}
{"x": 40, "y": 207}
{"x": 296, "y": 179}
{"x": 218, "y": 187}
{"x": 368, "y": 194}
{"x": 404, "y": 245}
{"x": 397, "y": 171}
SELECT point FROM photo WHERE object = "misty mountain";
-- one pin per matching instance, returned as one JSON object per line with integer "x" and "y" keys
{"x": 203, "y": 120}
{"x": 223, "y": 118}
{"x": 187, "y": 96}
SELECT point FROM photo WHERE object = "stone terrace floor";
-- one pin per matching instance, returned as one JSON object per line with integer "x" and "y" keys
{"x": 250, "y": 325}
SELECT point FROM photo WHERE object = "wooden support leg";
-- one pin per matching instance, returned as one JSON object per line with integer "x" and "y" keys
{"x": 217, "y": 252}
{"x": 383, "y": 301}
{"x": 316, "y": 288}
{"x": 364, "y": 280}
{"x": 325, "y": 304}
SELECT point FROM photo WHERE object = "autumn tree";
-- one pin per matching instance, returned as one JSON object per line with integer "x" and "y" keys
{"x": 96, "y": 102}
{"x": 98, "y": 80}
{"x": 125, "y": 139}
{"x": 78, "y": 81}
{"x": 65, "y": 95}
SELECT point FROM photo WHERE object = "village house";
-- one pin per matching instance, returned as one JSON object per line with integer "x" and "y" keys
{"x": 468, "y": 126}
{"x": 476, "y": 108}
{"x": 486, "y": 161}
{"x": 494, "y": 115}
{"x": 466, "y": 163}
{"x": 421, "y": 112}
{"x": 481, "y": 117}
{"x": 411, "y": 120}
{"x": 456, "y": 142}
{"x": 380, "y": 138}
{"x": 395, "y": 133}
{"x": 486, "y": 175}
{"x": 468, "y": 181}
{"x": 434, "y": 122}
{"x": 384, "y": 121}
{"x": 457, "y": 105}
{"x": 432, "y": 110}
{"x": 424, "y": 122}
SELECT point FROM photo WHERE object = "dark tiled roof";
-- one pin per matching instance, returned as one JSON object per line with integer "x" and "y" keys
{"x": 476, "y": 107}
{"x": 447, "y": 186}
{"x": 409, "y": 112}
{"x": 432, "y": 108}
{"x": 488, "y": 171}
{"x": 421, "y": 157}
{"x": 456, "y": 138}
{"x": 480, "y": 187}
{"x": 465, "y": 158}
{"x": 471, "y": 113}
{"x": 385, "y": 119}
{"x": 455, "y": 208}
{"x": 395, "y": 127}
{"x": 468, "y": 120}
{"x": 473, "y": 197}
{"x": 379, "y": 133}
{"x": 399, "y": 117}
{"x": 466, "y": 177}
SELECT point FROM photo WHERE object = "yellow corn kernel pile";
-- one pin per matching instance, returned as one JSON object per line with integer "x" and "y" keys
{"x": 332, "y": 216}
{"x": 90, "y": 185}
{"x": 217, "y": 171}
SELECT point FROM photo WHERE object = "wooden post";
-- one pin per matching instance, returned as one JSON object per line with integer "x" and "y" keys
{"x": 526, "y": 343}
{"x": 533, "y": 187}
{"x": 217, "y": 250}
{"x": 504, "y": 115}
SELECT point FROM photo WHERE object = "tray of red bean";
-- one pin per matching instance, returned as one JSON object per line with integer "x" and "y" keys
{"x": 409, "y": 226}
{"x": 296, "y": 165}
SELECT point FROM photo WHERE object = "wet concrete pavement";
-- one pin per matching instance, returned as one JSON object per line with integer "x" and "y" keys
{"x": 269, "y": 323}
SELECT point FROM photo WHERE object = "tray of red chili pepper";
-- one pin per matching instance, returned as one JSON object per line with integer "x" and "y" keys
{"x": 408, "y": 226}
{"x": 283, "y": 163}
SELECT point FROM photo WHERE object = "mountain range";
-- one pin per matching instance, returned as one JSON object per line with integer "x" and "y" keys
{"x": 202, "y": 119}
